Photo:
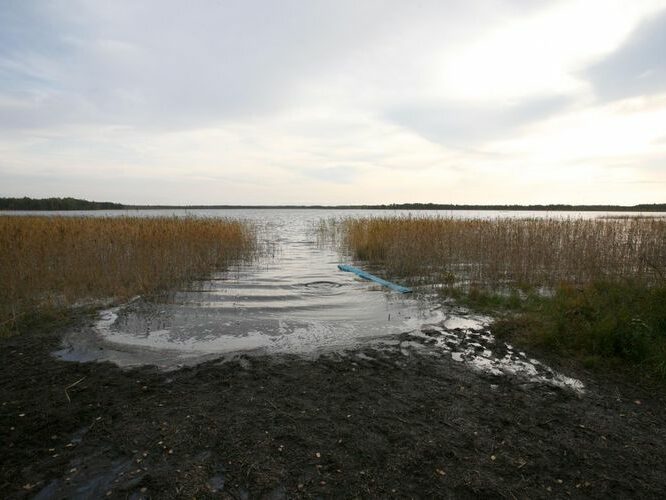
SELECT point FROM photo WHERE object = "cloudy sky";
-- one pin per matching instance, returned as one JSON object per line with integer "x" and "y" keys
{"x": 334, "y": 102}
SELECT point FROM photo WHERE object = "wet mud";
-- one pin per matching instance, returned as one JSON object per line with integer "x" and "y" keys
{"x": 405, "y": 418}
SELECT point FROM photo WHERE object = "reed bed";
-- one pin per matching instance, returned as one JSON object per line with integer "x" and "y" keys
{"x": 51, "y": 263}
{"x": 517, "y": 252}
{"x": 605, "y": 278}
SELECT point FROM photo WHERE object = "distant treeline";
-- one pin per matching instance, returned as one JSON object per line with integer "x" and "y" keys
{"x": 75, "y": 204}
{"x": 55, "y": 204}
{"x": 655, "y": 207}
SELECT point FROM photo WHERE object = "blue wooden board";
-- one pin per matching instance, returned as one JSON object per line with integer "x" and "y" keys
{"x": 361, "y": 273}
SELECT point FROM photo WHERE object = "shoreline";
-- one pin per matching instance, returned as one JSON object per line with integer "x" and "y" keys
{"x": 388, "y": 423}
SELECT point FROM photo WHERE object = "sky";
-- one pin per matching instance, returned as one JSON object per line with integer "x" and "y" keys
{"x": 334, "y": 102}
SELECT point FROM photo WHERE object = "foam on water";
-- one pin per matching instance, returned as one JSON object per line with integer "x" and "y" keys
{"x": 469, "y": 341}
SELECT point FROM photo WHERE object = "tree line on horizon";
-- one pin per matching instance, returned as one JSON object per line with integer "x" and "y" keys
{"x": 27, "y": 203}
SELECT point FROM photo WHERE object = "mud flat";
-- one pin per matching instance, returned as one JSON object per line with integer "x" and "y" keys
{"x": 413, "y": 416}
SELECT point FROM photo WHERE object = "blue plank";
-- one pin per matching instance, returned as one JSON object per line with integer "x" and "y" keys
{"x": 361, "y": 273}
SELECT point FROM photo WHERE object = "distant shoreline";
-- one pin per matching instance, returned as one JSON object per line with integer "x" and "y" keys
{"x": 423, "y": 206}
{"x": 70, "y": 204}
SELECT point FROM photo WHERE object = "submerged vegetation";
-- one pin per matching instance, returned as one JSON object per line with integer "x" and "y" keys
{"x": 48, "y": 264}
{"x": 592, "y": 288}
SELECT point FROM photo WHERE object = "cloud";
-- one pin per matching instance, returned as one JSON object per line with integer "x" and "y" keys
{"x": 461, "y": 124}
{"x": 638, "y": 67}
{"x": 158, "y": 63}
{"x": 260, "y": 102}
{"x": 342, "y": 174}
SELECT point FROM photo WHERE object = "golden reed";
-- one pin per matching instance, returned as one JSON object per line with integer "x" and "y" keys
{"x": 48, "y": 263}
{"x": 499, "y": 252}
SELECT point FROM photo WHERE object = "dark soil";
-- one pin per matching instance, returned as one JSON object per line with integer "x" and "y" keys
{"x": 343, "y": 426}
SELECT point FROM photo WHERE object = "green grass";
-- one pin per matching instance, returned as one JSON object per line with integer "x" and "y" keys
{"x": 601, "y": 324}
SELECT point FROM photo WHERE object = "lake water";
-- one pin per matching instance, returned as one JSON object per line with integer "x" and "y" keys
{"x": 292, "y": 300}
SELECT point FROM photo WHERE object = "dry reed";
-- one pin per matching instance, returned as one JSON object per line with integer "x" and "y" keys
{"x": 499, "y": 252}
{"x": 48, "y": 263}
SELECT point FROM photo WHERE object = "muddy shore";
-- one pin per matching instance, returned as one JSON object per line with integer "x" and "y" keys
{"x": 369, "y": 423}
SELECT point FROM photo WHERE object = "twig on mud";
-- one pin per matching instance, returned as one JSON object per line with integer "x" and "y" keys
{"x": 72, "y": 385}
